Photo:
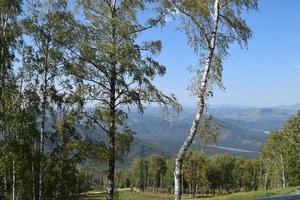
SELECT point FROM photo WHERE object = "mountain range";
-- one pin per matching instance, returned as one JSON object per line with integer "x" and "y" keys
{"x": 243, "y": 129}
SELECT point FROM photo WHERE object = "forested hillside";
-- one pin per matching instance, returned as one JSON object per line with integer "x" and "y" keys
{"x": 241, "y": 128}
{"x": 241, "y": 132}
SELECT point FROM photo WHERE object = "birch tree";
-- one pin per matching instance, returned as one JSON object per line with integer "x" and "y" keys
{"x": 275, "y": 149}
{"x": 113, "y": 72}
{"x": 291, "y": 134}
{"x": 9, "y": 41}
{"x": 48, "y": 58}
{"x": 210, "y": 26}
{"x": 195, "y": 169}
{"x": 281, "y": 154}
{"x": 208, "y": 134}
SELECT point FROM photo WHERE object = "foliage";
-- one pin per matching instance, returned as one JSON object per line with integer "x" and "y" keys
{"x": 113, "y": 71}
{"x": 281, "y": 154}
{"x": 201, "y": 174}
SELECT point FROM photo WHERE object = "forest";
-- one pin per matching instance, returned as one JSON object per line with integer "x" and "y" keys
{"x": 208, "y": 173}
{"x": 69, "y": 68}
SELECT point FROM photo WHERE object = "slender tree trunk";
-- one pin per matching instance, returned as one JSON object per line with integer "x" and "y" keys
{"x": 42, "y": 131}
{"x": 260, "y": 172}
{"x": 178, "y": 179}
{"x": 32, "y": 170}
{"x": 283, "y": 179}
{"x": 161, "y": 181}
{"x": 14, "y": 180}
{"x": 283, "y": 172}
{"x": 190, "y": 190}
{"x": 182, "y": 182}
{"x": 146, "y": 177}
{"x": 111, "y": 164}
{"x": 112, "y": 107}
{"x": 266, "y": 179}
{"x": 3, "y": 64}
{"x": 196, "y": 189}
{"x": 202, "y": 92}
{"x": 5, "y": 185}
{"x": 3, "y": 55}
{"x": 41, "y": 149}
{"x": 2, "y": 96}
{"x": 112, "y": 136}
{"x": 253, "y": 178}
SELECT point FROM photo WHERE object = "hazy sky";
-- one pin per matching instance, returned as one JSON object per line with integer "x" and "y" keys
{"x": 265, "y": 74}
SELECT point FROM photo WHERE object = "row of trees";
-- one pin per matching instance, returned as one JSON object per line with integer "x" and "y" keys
{"x": 65, "y": 65}
{"x": 39, "y": 142}
{"x": 203, "y": 174}
{"x": 281, "y": 156}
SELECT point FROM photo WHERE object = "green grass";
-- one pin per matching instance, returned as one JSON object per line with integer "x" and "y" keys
{"x": 127, "y": 195}
{"x": 255, "y": 194}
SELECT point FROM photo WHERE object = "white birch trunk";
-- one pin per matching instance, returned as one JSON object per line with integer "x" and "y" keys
{"x": 190, "y": 190}
{"x": 113, "y": 113}
{"x": 42, "y": 133}
{"x": 2, "y": 88}
{"x": 266, "y": 179}
{"x": 33, "y": 172}
{"x": 40, "y": 164}
{"x": 43, "y": 121}
{"x": 283, "y": 172}
{"x": 14, "y": 181}
{"x": 202, "y": 91}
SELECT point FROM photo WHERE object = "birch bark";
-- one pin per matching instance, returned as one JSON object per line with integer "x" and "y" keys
{"x": 202, "y": 91}
{"x": 43, "y": 120}
{"x": 33, "y": 171}
{"x": 113, "y": 114}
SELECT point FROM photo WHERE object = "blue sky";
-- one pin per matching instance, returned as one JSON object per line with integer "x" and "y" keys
{"x": 265, "y": 74}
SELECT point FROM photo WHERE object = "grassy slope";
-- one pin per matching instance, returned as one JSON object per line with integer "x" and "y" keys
{"x": 126, "y": 195}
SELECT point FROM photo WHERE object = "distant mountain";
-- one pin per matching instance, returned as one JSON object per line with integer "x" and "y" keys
{"x": 256, "y": 119}
{"x": 290, "y": 107}
{"x": 242, "y": 128}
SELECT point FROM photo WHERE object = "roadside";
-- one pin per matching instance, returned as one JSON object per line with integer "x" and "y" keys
{"x": 297, "y": 191}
